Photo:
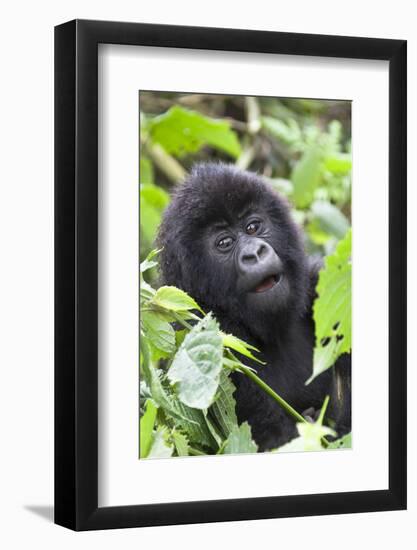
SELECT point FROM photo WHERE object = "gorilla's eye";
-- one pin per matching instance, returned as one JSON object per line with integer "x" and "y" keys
{"x": 253, "y": 227}
{"x": 224, "y": 243}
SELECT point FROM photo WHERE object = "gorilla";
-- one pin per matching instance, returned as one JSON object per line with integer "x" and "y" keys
{"x": 228, "y": 240}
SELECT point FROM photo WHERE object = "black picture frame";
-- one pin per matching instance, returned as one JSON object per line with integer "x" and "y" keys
{"x": 76, "y": 272}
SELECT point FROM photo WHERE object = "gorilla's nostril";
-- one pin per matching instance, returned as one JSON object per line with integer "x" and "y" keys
{"x": 249, "y": 259}
{"x": 262, "y": 250}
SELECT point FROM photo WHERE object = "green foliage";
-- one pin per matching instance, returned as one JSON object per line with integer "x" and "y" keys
{"x": 302, "y": 147}
{"x": 311, "y": 435}
{"x": 174, "y": 299}
{"x": 332, "y": 308}
{"x": 344, "y": 442}
{"x": 197, "y": 364}
{"x": 182, "y": 131}
{"x": 240, "y": 441}
{"x": 147, "y": 423}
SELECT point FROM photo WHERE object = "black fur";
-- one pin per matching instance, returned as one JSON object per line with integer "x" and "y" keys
{"x": 281, "y": 326}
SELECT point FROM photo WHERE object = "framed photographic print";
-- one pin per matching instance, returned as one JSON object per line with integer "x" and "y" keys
{"x": 230, "y": 251}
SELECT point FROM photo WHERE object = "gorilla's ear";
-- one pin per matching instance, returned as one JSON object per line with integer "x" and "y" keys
{"x": 315, "y": 264}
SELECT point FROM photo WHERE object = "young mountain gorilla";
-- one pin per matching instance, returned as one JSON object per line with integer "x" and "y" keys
{"x": 229, "y": 241}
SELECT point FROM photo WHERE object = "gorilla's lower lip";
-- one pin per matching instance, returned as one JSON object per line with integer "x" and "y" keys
{"x": 268, "y": 283}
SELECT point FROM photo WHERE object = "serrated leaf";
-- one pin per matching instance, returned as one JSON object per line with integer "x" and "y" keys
{"x": 180, "y": 442}
{"x": 197, "y": 364}
{"x": 160, "y": 447}
{"x": 159, "y": 332}
{"x": 181, "y": 131}
{"x": 174, "y": 299}
{"x": 240, "y": 441}
{"x": 223, "y": 409}
{"x": 332, "y": 308}
{"x": 146, "y": 428}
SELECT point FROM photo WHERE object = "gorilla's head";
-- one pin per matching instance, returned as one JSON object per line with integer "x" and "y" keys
{"x": 229, "y": 241}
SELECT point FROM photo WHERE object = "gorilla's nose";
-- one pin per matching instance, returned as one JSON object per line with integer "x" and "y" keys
{"x": 254, "y": 252}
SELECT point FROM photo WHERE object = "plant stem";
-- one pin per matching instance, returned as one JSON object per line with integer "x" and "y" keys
{"x": 181, "y": 321}
{"x": 196, "y": 452}
{"x": 267, "y": 389}
{"x": 281, "y": 402}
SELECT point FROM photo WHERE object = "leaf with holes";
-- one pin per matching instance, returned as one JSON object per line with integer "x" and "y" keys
{"x": 196, "y": 367}
{"x": 332, "y": 308}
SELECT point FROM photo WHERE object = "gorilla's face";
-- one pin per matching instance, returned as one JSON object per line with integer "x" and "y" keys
{"x": 244, "y": 251}
{"x": 229, "y": 241}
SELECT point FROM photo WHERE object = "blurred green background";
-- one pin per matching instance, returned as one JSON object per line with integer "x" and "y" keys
{"x": 302, "y": 147}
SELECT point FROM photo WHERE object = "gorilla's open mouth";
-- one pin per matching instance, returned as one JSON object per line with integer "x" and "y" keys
{"x": 267, "y": 283}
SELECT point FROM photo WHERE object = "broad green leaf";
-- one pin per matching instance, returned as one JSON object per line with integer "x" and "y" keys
{"x": 150, "y": 218}
{"x": 160, "y": 447}
{"x": 344, "y": 442}
{"x": 306, "y": 176}
{"x": 332, "y": 308}
{"x": 232, "y": 342}
{"x": 339, "y": 164}
{"x": 159, "y": 332}
{"x": 181, "y": 131}
{"x": 146, "y": 428}
{"x": 197, "y": 364}
{"x": 224, "y": 406}
{"x": 180, "y": 442}
{"x": 154, "y": 196}
{"x": 240, "y": 441}
{"x": 330, "y": 219}
{"x": 145, "y": 170}
{"x": 174, "y": 299}
{"x": 153, "y": 201}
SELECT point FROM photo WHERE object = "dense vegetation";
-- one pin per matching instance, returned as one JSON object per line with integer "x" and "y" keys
{"x": 302, "y": 148}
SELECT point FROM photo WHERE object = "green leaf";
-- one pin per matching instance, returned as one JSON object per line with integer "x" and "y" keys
{"x": 344, "y": 442}
{"x": 159, "y": 332}
{"x": 160, "y": 447}
{"x": 174, "y": 299}
{"x": 180, "y": 442}
{"x": 150, "y": 218}
{"x": 145, "y": 170}
{"x": 339, "y": 164}
{"x": 196, "y": 366}
{"x": 306, "y": 176}
{"x": 181, "y": 131}
{"x": 148, "y": 262}
{"x": 235, "y": 343}
{"x": 154, "y": 196}
{"x": 332, "y": 308}
{"x": 146, "y": 427}
{"x": 309, "y": 439}
{"x": 153, "y": 201}
{"x": 240, "y": 441}
{"x": 330, "y": 219}
{"x": 223, "y": 409}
